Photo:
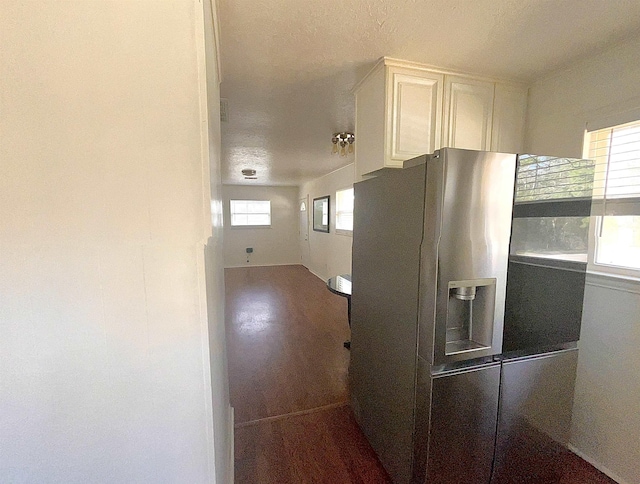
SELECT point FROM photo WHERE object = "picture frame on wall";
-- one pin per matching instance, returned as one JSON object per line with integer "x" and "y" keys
{"x": 321, "y": 214}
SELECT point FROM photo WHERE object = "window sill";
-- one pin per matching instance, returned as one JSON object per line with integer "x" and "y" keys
{"x": 613, "y": 281}
{"x": 348, "y": 233}
{"x": 250, "y": 226}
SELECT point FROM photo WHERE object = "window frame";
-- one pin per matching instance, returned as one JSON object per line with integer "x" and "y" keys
{"x": 341, "y": 231}
{"x": 251, "y": 226}
{"x": 593, "y": 267}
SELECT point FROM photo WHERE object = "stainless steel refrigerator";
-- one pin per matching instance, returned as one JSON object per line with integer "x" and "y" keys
{"x": 442, "y": 387}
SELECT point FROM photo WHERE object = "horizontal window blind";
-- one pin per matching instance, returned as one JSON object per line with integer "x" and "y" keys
{"x": 616, "y": 151}
{"x": 617, "y": 180}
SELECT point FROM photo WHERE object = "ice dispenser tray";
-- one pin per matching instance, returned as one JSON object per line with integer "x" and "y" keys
{"x": 470, "y": 313}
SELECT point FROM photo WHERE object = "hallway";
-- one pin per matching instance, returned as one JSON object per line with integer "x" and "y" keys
{"x": 288, "y": 381}
{"x": 288, "y": 386}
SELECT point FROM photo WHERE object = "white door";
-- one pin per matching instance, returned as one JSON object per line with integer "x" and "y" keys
{"x": 303, "y": 207}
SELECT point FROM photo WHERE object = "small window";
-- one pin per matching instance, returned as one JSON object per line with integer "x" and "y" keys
{"x": 616, "y": 242}
{"x": 250, "y": 213}
{"x": 344, "y": 211}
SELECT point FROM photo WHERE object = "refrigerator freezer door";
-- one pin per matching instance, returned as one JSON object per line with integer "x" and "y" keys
{"x": 536, "y": 399}
{"x": 464, "y": 410}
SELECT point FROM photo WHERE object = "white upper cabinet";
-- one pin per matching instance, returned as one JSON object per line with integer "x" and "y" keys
{"x": 398, "y": 116}
{"x": 414, "y": 124}
{"x": 370, "y": 123}
{"x": 468, "y": 113}
{"x": 509, "y": 113}
{"x": 404, "y": 110}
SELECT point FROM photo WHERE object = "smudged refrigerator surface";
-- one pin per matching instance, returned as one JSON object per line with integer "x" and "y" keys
{"x": 441, "y": 382}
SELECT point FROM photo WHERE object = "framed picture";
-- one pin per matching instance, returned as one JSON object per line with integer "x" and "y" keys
{"x": 321, "y": 214}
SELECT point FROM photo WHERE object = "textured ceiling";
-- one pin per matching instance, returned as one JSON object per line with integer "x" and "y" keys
{"x": 288, "y": 65}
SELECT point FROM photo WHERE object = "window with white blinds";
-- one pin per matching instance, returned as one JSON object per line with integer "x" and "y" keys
{"x": 344, "y": 210}
{"x": 250, "y": 212}
{"x": 616, "y": 151}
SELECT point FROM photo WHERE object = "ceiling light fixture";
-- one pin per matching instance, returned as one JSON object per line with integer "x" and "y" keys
{"x": 345, "y": 141}
{"x": 249, "y": 173}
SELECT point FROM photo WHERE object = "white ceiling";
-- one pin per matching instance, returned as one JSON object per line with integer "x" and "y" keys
{"x": 288, "y": 66}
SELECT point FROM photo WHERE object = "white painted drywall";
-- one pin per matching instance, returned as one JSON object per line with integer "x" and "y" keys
{"x": 274, "y": 245}
{"x": 559, "y": 107}
{"x": 606, "y": 420}
{"x": 215, "y": 348}
{"x": 104, "y": 212}
{"x": 329, "y": 254}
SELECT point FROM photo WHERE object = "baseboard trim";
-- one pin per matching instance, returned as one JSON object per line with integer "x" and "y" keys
{"x": 323, "y": 279}
{"x": 232, "y": 456}
{"x": 317, "y": 275}
{"x": 264, "y": 265}
{"x": 597, "y": 465}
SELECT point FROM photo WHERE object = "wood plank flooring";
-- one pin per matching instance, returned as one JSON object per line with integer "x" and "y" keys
{"x": 288, "y": 385}
{"x": 321, "y": 447}
{"x": 288, "y": 381}
{"x": 285, "y": 332}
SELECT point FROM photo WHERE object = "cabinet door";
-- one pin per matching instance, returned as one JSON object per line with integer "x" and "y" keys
{"x": 509, "y": 112}
{"x": 414, "y": 120}
{"x": 468, "y": 112}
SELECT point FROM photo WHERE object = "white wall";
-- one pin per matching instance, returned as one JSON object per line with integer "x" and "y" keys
{"x": 561, "y": 105}
{"x": 606, "y": 420}
{"x": 329, "y": 254}
{"x": 104, "y": 211}
{"x": 273, "y": 245}
{"x": 215, "y": 349}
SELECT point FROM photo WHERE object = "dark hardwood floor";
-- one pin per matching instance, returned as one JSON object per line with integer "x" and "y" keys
{"x": 285, "y": 333}
{"x": 288, "y": 384}
{"x": 320, "y": 447}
